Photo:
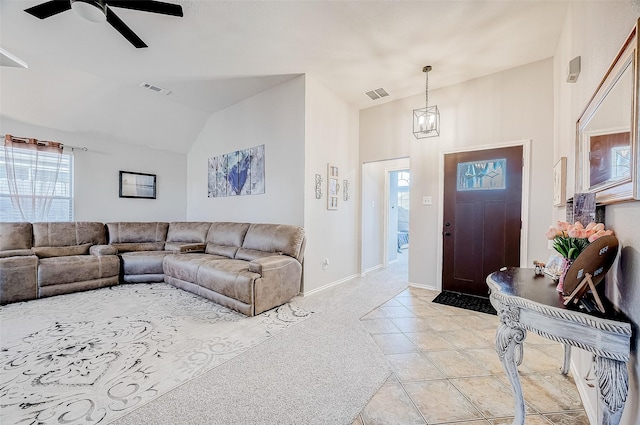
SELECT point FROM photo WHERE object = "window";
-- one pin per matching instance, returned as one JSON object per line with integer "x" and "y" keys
{"x": 45, "y": 192}
{"x": 403, "y": 189}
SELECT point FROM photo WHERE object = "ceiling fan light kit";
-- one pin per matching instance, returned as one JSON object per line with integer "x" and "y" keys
{"x": 100, "y": 11}
{"x": 94, "y": 11}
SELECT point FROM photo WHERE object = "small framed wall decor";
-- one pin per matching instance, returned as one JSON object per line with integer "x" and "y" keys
{"x": 318, "y": 186}
{"x": 332, "y": 187}
{"x": 345, "y": 190}
{"x": 560, "y": 182}
{"x": 137, "y": 185}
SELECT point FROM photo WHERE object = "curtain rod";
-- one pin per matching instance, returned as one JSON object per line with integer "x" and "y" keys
{"x": 73, "y": 148}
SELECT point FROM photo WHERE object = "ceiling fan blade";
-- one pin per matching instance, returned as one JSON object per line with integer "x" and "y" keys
{"x": 123, "y": 29}
{"x": 148, "y": 6}
{"x": 49, "y": 8}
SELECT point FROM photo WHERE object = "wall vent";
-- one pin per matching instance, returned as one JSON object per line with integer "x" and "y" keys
{"x": 377, "y": 93}
{"x": 155, "y": 88}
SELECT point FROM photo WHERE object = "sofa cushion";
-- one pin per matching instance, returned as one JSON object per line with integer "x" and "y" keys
{"x": 15, "y": 236}
{"x": 61, "y": 251}
{"x": 143, "y": 262}
{"x": 67, "y": 234}
{"x": 274, "y": 238}
{"x": 231, "y": 278}
{"x": 227, "y": 234}
{"x": 137, "y": 232}
{"x": 185, "y": 266}
{"x": 76, "y": 268}
{"x": 225, "y": 251}
{"x": 188, "y": 232}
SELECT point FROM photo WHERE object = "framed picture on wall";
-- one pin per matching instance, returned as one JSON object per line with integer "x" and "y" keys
{"x": 332, "y": 187}
{"x": 137, "y": 185}
{"x": 560, "y": 182}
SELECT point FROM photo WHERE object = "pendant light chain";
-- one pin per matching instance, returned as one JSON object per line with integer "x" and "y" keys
{"x": 426, "y": 88}
{"x": 426, "y": 70}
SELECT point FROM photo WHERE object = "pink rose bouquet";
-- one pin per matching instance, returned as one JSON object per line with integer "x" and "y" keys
{"x": 570, "y": 239}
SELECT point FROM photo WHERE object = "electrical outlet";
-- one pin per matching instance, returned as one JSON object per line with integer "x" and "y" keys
{"x": 426, "y": 200}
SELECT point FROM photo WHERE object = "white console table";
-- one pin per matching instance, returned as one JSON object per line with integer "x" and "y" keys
{"x": 526, "y": 302}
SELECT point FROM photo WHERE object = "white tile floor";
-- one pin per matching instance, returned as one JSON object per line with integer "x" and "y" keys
{"x": 446, "y": 370}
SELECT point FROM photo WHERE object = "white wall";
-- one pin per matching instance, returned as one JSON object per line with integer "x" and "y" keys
{"x": 331, "y": 135}
{"x": 303, "y": 126}
{"x": 383, "y": 130}
{"x": 372, "y": 199}
{"x": 96, "y": 175}
{"x": 595, "y": 31}
{"x": 274, "y": 118}
{"x": 505, "y": 107}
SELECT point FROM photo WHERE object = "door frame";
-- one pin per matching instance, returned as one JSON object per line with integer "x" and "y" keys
{"x": 524, "y": 212}
{"x": 385, "y": 214}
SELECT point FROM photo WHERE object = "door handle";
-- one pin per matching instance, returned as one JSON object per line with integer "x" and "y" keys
{"x": 447, "y": 233}
{"x": 447, "y": 224}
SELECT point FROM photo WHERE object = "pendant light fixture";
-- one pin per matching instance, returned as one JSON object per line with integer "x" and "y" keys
{"x": 426, "y": 121}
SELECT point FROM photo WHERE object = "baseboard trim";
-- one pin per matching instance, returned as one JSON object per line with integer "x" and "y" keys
{"x": 329, "y": 285}
{"x": 371, "y": 269}
{"x": 422, "y": 286}
{"x": 589, "y": 408}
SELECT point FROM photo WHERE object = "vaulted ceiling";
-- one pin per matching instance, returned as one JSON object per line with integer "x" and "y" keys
{"x": 85, "y": 77}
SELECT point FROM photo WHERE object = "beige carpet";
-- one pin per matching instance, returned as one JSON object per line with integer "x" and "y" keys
{"x": 322, "y": 371}
{"x": 95, "y": 356}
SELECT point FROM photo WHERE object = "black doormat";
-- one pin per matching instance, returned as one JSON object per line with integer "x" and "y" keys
{"x": 470, "y": 302}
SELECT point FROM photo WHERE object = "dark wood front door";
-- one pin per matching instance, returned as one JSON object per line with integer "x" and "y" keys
{"x": 482, "y": 206}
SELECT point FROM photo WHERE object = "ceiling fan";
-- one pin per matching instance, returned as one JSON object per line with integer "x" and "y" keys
{"x": 100, "y": 11}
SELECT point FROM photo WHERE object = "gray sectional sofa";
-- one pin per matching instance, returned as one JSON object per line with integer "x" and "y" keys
{"x": 248, "y": 267}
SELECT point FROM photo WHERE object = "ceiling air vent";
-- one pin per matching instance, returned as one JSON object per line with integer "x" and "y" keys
{"x": 155, "y": 88}
{"x": 377, "y": 93}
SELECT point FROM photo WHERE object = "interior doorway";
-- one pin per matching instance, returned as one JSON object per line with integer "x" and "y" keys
{"x": 379, "y": 234}
{"x": 397, "y": 246}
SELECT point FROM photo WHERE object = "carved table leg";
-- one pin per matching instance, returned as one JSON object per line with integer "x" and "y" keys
{"x": 567, "y": 359}
{"x": 509, "y": 338}
{"x": 613, "y": 381}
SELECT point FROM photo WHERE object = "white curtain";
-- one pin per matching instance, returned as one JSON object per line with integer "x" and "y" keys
{"x": 32, "y": 168}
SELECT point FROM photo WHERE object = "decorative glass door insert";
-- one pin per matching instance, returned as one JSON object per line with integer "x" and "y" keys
{"x": 482, "y": 175}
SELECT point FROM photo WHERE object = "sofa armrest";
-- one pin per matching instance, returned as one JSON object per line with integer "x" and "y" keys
{"x": 16, "y": 253}
{"x": 273, "y": 264}
{"x": 281, "y": 277}
{"x": 100, "y": 250}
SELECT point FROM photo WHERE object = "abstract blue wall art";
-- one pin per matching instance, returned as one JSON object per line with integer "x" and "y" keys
{"x": 237, "y": 173}
{"x": 218, "y": 176}
{"x": 257, "y": 169}
{"x": 232, "y": 174}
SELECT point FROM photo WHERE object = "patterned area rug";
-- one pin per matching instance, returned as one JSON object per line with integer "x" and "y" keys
{"x": 92, "y": 357}
{"x": 470, "y": 302}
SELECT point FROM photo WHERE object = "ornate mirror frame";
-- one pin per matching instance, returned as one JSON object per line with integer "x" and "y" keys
{"x": 602, "y": 131}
